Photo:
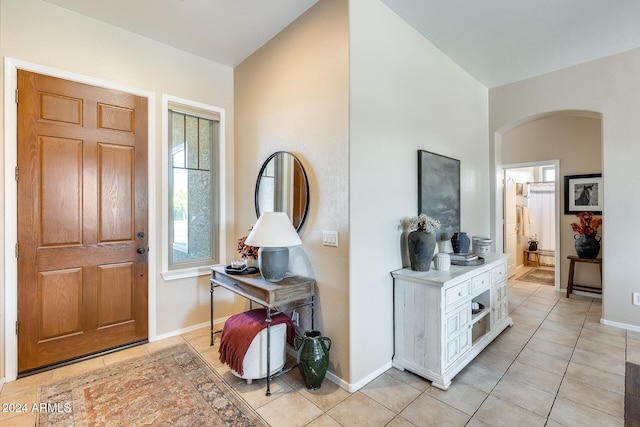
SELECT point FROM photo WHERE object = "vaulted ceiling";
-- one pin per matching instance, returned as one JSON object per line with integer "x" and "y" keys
{"x": 496, "y": 41}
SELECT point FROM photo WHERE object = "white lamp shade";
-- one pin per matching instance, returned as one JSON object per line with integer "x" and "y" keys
{"x": 273, "y": 230}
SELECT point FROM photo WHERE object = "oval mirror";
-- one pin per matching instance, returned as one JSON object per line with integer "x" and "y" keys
{"x": 282, "y": 186}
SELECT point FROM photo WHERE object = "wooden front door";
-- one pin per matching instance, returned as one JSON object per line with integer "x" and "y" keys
{"x": 82, "y": 220}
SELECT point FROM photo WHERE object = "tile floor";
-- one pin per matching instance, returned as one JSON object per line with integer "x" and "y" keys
{"x": 557, "y": 366}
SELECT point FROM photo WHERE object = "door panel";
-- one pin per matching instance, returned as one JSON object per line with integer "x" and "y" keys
{"x": 60, "y": 191}
{"x": 115, "y": 299}
{"x": 116, "y": 178}
{"x": 82, "y": 200}
{"x": 63, "y": 290}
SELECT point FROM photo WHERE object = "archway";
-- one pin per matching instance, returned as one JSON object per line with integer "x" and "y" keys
{"x": 574, "y": 138}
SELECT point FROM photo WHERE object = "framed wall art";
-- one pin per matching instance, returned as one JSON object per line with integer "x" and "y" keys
{"x": 583, "y": 193}
{"x": 439, "y": 190}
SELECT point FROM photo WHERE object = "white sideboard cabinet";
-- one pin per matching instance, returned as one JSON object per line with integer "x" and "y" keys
{"x": 438, "y": 329}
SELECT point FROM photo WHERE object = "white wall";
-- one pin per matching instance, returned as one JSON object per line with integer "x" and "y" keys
{"x": 610, "y": 87}
{"x": 361, "y": 153}
{"x": 405, "y": 95}
{"x": 39, "y": 33}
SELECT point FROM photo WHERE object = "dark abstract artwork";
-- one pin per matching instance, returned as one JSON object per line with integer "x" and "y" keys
{"x": 439, "y": 190}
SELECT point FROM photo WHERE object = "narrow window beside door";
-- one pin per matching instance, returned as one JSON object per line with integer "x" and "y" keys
{"x": 193, "y": 180}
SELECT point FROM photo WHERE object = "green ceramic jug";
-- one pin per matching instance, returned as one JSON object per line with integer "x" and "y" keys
{"x": 313, "y": 357}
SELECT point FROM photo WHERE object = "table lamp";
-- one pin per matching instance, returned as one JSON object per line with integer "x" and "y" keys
{"x": 273, "y": 234}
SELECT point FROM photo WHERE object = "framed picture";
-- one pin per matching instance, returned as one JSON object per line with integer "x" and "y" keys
{"x": 439, "y": 190}
{"x": 583, "y": 193}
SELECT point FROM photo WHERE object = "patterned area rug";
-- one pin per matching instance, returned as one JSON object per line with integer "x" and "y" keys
{"x": 171, "y": 387}
{"x": 537, "y": 275}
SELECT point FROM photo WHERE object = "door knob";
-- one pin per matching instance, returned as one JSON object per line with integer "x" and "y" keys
{"x": 140, "y": 250}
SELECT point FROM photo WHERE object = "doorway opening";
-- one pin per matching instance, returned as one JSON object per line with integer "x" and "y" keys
{"x": 531, "y": 220}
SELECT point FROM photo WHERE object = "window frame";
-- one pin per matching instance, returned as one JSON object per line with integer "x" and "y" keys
{"x": 193, "y": 108}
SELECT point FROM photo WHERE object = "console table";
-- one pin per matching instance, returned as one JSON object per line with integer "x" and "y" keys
{"x": 437, "y": 332}
{"x": 270, "y": 295}
{"x": 572, "y": 265}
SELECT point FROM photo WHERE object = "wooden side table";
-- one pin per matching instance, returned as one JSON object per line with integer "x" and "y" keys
{"x": 527, "y": 257}
{"x": 268, "y": 294}
{"x": 572, "y": 265}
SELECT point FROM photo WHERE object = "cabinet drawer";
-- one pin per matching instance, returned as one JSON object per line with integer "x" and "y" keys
{"x": 241, "y": 287}
{"x": 478, "y": 283}
{"x": 499, "y": 273}
{"x": 456, "y": 294}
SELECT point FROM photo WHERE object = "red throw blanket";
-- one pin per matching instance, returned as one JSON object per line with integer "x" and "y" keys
{"x": 240, "y": 330}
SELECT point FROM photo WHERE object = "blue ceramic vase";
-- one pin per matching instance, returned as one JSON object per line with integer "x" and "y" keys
{"x": 421, "y": 245}
{"x": 460, "y": 243}
{"x": 587, "y": 247}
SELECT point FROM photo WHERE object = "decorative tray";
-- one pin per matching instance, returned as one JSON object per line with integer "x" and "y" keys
{"x": 244, "y": 270}
{"x": 477, "y": 261}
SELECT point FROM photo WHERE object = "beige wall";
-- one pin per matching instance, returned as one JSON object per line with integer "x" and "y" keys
{"x": 355, "y": 101}
{"x": 576, "y": 141}
{"x": 354, "y": 92}
{"x": 608, "y": 87}
{"x": 48, "y": 36}
{"x": 292, "y": 95}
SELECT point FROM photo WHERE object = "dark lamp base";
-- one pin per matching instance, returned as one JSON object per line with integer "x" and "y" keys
{"x": 273, "y": 263}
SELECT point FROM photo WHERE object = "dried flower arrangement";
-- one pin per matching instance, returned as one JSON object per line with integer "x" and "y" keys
{"x": 589, "y": 224}
{"x": 245, "y": 250}
{"x": 422, "y": 222}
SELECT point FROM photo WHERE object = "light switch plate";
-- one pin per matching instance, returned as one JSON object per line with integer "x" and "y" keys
{"x": 330, "y": 238}
{"x": 636, "y": 298}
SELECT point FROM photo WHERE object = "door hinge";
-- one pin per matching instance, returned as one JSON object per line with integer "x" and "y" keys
{"x": 16, "y": 96}
{"x": 16, "y": 328}
{"x": 16, "y": 250}
{"x": 16, "y": 173}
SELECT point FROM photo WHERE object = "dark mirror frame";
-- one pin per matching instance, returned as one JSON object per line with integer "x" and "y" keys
{"x": 305, "y": 182}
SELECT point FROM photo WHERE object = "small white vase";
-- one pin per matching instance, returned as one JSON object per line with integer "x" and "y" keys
{"x": 251, "y": 261}
{"x": 442, "y": 261}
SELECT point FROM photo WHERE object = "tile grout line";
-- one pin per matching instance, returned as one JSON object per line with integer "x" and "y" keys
{"x": 514, "y": 359}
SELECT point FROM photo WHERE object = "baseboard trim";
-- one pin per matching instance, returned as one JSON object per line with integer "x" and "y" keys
{"x": 190, "y": 329}
{"x": 620, "y": 325}
{"x": 352, "y": 388}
